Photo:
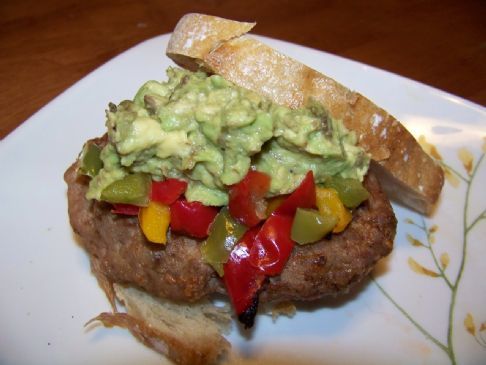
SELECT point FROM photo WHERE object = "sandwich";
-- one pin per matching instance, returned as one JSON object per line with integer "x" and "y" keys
{"x": 244, "y": 175}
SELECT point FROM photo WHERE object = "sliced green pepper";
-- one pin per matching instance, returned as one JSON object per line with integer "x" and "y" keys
{"x": 350, "y": 191}
{"x": 132, "y": 189}
{"x": 224, "y": 233}
{"x": 90, "y": 161}
{"x": 310, "y": 226}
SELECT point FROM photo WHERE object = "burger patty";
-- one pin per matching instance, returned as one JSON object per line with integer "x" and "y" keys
{"x": 120, "y": 253}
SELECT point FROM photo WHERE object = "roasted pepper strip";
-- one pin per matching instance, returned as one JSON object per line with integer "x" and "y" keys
{"x": 310, "y": 226}
{"x": 273, "y": 244}
{"x": 243, "y": 280}
{"x": 191, "y": 218}
{"x": 132, "y": 189}
{"x": 350, "y": 191}
{"x": 90, "y": 161}
{"x": 154, "y": 221}
{"x": 246, "y": 199}
{"x": 328, "y": 203}
{"x": 302, "y": 197}
{"x": 224, "y": 233}
{"x": 167, "y": 191}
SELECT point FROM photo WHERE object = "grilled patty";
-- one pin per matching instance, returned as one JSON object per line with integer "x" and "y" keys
{"x": 176, "y": 271}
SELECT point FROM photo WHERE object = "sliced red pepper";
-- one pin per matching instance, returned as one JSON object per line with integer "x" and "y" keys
{"x": 167, "y": 191}
{"x": 263, "y": 251}
{"x": 125, "y": 209}
{"x": 191, "y": 218}
{"x": 273, "y": 245}
{"x": 243, "y": 280}
{"x": 246, "y": 199}
{"x": 302, "y": 197}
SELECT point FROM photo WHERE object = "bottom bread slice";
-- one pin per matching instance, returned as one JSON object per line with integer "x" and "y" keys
{"x": 186, "y": 334}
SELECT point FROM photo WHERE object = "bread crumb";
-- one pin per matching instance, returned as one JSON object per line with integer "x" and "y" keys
{"x": 283, "y": 309}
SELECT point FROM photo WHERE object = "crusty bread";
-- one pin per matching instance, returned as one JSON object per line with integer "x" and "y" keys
{"x": 196, "y": 35}
{"x": 188, "y": 334}
{"x": 220, "y": 46}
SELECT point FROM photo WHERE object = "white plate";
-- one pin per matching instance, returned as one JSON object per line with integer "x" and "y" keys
{"x": 48, "y": 292}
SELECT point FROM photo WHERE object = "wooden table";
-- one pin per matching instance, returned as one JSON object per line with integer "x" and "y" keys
{"x": 46, "y": 46}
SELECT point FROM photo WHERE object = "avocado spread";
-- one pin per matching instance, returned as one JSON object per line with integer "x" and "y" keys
{"x": 210, "y": 132}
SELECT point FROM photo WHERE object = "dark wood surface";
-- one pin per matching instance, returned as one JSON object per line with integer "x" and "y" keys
{"x": 46, "y": 46}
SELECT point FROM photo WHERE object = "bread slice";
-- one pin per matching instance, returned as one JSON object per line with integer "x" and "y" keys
{"x": 189, "y": 334}
{"x": 196, "y": 35}
{"x": 220, "y": 46}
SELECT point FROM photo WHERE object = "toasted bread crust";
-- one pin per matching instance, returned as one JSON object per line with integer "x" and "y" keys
{"x": 188, "y": 334}
{"x": 196, "y": 35}
{"x": 408, "y": 174}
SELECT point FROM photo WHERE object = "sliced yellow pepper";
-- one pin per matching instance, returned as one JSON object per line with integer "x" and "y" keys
{"x": 154, "y": 221}
{"x": 328, "y": 203}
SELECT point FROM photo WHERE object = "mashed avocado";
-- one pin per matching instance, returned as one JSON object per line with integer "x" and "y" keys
{"x": 209, "y": 132}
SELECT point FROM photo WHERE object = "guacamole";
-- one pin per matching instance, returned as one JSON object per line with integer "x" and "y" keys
{"x": 209, "y": 132}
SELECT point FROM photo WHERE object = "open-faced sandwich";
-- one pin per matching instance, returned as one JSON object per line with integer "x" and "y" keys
{"x": 245, "y": 174}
